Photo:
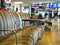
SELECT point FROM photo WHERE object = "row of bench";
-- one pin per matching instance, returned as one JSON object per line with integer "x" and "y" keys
{"x": 13, "y": 21}
{"x": 31, "y": 35}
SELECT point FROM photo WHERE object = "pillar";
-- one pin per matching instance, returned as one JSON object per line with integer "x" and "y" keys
{"x": 2, "y": 3}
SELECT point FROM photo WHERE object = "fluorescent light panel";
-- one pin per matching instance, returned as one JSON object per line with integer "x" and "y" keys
{"x": 18, "y": 2}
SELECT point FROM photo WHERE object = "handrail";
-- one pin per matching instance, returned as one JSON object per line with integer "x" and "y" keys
{"x": 14, "y": 32}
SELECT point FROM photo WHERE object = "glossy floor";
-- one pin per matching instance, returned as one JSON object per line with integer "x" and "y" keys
{"x": 51, "y": 37}
{"x": 12, "y": 40}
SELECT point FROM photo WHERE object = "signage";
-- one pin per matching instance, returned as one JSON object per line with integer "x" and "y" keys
{"x": 7, "y": 1}
{"x": 52, "y": 5}
{"x": 36, "y": 5}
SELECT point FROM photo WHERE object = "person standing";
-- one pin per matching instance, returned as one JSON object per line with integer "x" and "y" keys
{"x": 3, "y": 8}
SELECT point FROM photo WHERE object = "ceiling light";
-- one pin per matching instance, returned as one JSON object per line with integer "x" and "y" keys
{"x": 7, "y": 1}
{"x": 18, "y": 2}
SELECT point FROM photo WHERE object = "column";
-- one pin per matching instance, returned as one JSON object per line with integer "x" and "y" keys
{"x": 2, "y": 3}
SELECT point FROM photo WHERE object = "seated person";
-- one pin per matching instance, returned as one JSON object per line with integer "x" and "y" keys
{"x": 35, "y": 17}
{"x": 46, "y": 15}
{"x": 40, "y": 22}
{"x": 36, "y": 13}
{"x": 40, "y": 16}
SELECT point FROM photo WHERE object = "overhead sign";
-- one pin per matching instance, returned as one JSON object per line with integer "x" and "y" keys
{"x": 7, "y": 1}
{"x": 36, "y": 5}
{"x": 52, "y": 5}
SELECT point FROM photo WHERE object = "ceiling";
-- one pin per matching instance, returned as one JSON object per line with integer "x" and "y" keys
{"x": 36, "y": 1}
{"x": 45, "y": 1}
{"x": 30, "y": 1}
